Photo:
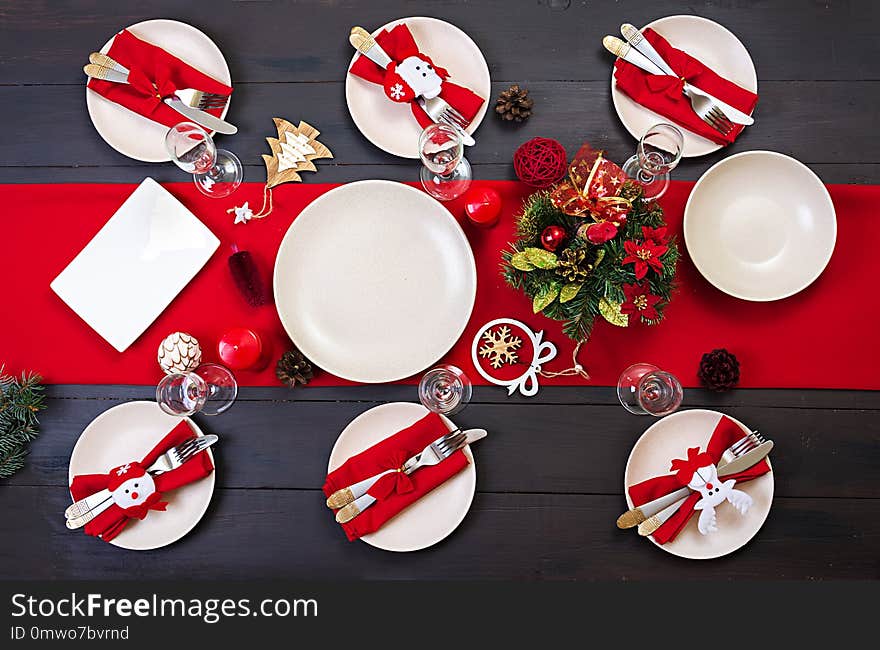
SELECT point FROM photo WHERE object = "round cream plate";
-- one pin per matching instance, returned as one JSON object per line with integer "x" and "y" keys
{"x": 670, "y": 438}
{"x": 760, "y": 226}
{"x": 391, "y": 126}
{"x": 136, "y": 136}
{"x": 128, "y": 432}
{"x": 706, "y": 41}
{"x": 435, "y": 515}
{"x": 374, "y": 281}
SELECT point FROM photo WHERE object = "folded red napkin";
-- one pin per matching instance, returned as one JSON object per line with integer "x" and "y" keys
{"x": 726, "y": 433}
{"x": 662, "y": 93}
{"x": 394, "y": 492}
{"x": 412, "y": 73}
{"x": 134, "y": 491}
{"x": 154, "y": 74}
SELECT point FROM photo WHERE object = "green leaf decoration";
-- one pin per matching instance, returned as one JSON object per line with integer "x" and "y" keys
{"x": 569, "y": 291}
{"x": 521, "y": 262}
{"x": 611, "y": 312}
{"x": 600, "y": 255}
{"x": 540, "y": 258}
{"x": 545, "y": 296}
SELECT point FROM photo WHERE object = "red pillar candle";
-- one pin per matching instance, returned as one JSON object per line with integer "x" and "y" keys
{"x": 240, "y": 348}
{"x": 482, "y": 205}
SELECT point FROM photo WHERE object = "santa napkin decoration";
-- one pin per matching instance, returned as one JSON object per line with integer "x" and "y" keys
{"x": 154, "y": 74}
{"x": 698, "y": 471}
{"x": 663, "y": 93}
{"x": 396, "y": 491}
{"x": 134, "y": 491}
{"x": 413, "y": 74}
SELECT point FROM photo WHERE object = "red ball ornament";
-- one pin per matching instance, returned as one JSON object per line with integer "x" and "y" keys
{"x": 482, "y": 205}
{"x": 552, "y": 237}
{"x": 240, "y": 348}
{"x": 540, "y": 162}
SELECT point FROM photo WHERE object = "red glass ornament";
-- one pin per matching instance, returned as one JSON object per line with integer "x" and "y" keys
{"x": 240, "y": 348}
{"x": 482, "y": 205}
{"x": 552, "y": 237}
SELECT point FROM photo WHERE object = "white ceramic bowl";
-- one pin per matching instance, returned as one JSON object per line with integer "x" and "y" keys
{"x": 760, "y": 226}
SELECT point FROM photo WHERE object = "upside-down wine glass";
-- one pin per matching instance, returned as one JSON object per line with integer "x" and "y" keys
{"x": 445, "y": 390}
{"x": 445, "y": 173}
{"x": 644, "y": 389}
{"x": 209, "y": 389}
{"x": 216, "y": 172}
{"x": 658, "y": 153}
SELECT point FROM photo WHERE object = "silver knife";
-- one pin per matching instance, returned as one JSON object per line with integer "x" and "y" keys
{"x": 644, "y": 47}
{"x": 94, "y": 504}
{"x": 740, "y": 464}
{"x": 364, "y": 43}
{"x": 201, "y": 117}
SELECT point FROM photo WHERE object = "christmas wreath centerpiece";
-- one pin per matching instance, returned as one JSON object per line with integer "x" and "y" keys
{"x": 590, "y": 247}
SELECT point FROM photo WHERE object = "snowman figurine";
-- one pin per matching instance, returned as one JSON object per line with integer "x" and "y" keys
{"x": 413, "y": 77}
{"x": 133, "y": 489}
{"x": 702, "y": 476}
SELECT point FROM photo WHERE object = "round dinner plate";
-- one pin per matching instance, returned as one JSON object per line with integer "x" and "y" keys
{"x": 136, "y": 136}
{"x": 760, "y": 226}
{"x": 391, "y": 126}
{"x": 435, "y": 515}
{"x": 706, "y": 41}
{"x": 374, "y": 281}
{"x": 129, "y": 431}
{"x": 670, "y": 438}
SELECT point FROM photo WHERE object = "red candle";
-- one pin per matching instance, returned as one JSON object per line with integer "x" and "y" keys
{"x": 240, "y": 348}
{"x": 482, "y": 205}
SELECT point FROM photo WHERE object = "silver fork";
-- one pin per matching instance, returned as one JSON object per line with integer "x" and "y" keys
{"x": 439, "y": 110}
{"x": 708, "y": 111}
{"x": 104, "y": 67}
{"x": 83, "y": 511}
{"x": 434, "y": 453}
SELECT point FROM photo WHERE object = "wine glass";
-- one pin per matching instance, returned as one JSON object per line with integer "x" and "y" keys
{"x": 445, "y": 173}
{"x": 209, "y": 389}
{"x": 658, "y": 153}
{"x": 644, "y": 389}
{"x": 216, "y": 172}
{"x": 445, "y": 390}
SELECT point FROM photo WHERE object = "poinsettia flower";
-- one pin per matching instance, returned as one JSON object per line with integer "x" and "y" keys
{"x": 656, "y": 235}
{"x": 639, "y": 301}
{"x": 644, "y": 255}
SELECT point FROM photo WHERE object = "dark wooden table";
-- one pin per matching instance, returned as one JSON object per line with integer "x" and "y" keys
{"x": 550, "y": 475}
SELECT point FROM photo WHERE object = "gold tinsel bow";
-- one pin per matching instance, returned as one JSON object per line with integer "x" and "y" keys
{"x": 593, "y": 188}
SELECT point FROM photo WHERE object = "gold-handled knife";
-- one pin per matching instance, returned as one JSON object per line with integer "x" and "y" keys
{"x": 636, "y": 516}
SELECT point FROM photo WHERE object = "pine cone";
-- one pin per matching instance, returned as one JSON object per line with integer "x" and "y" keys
{"x": 514, "y": 104}
{"x": 293, "y": 368}
{"x": 574, "y": 265}
{"x": 719, "y": 370}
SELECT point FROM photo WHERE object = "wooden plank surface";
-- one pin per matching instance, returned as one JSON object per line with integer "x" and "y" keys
{"x": 550, "y": 473}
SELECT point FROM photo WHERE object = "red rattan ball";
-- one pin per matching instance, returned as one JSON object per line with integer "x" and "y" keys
{"x": 540, "y": 162}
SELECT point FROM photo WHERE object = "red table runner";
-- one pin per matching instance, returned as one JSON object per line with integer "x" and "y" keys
{"x": 811, "y": 340}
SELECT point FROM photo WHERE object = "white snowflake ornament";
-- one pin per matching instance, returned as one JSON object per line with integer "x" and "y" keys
{"x": 500, "y": 348}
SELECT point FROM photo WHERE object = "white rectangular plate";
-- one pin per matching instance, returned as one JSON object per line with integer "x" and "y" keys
{"x": 134, "y": 267}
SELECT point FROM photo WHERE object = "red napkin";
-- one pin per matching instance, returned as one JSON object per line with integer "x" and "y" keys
{"x": 662, "y": 93}
{"x": 726, "y": 433}
{"x": 154, "y": 74}
{"x": 400, "y": 44}
{"x": 394, "y": 492}
{"x": 128, "y": 503}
